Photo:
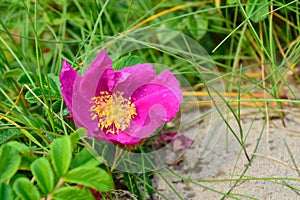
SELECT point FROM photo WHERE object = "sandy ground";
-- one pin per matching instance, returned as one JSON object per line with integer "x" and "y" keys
{"x": 226, "y": 161}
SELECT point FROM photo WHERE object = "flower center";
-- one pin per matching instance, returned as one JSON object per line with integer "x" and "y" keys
{"x": 113, "y": 112}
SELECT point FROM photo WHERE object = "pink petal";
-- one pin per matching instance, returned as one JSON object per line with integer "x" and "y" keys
{"x": 99, "y": 77}
{"x": 100, "y": 61}
{"x": 156, "y": 102}
{"x": 81, "y": 110}
{"x": 162, "y": 95}
{"x": 167, "y": 79}
{"x": 157, "y": 98}
{"x": 122, "y": 138}
{"x": 134, "y": 77}
{"x": 67, "y": 78}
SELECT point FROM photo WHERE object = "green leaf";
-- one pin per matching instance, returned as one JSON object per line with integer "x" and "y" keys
{"x": 198, "y": 25}
{"x": 61, "y": 155}
{"x": 72, "y": 193}
{"x": 23, "y": 79}
{"x": 260, "y": 8}
{"x": 43, "y": 173}
{"x": 12, "y": 73}
{"x": 54, "y": 83}
{"x": 85, "y": 158}
{"x": 27, "y": 160}
{"x": 21, "y": 147}
{"x": 25, "y": 190}
{"x": 60, "y": 2}
{"x": 81, "y": 132}
{"x": 126, "y": 61}
{"x": 9, "y": 134}
{"x": 10, "y": 160}
{"x": 231, "y": 2}
{"x": 30, "y": 96}
{"x": 37, "y": 120}
{"x": 76, "y": 135}
{"x": 6, "y": 192}
{"x": 96, "y": 178}
{"x": 56, "y": 106}
{"x": 27, "y": 156}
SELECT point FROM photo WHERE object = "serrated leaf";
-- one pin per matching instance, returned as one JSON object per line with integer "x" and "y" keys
{"x": 72, "y": 193}
{"x": 96, "y": 178}
{"x": 61, "y": 155}
{"x": 12, "y": 73}
{"x": 260, "y": 8}
{"x": 37, "y": 121}
{"x": 6, "y": 192}
{"x": 126, "y": 61}
{"x": 198, "y": 25}
{"x": 86, "y": 159}
{"x": 56, "y": 106}
{"x": 43, "y": 173}
{"x": 9, "y": 134}
{"x": 54, "y": 83}
{"x": 10, "y": 160}
{"x": 25, "y": 190}
{"x": 23, "y": 78}
{"x": 30, "y": 96}
{"x": 27, "y": 156}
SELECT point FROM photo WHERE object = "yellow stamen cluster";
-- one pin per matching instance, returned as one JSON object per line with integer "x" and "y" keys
{"x": 113, "y": 112}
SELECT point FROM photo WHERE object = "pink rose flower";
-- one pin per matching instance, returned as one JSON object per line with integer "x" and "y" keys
{"x": 123, "y": 106}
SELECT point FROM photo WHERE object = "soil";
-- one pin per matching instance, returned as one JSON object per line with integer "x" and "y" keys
{"x": 210, "y": 172}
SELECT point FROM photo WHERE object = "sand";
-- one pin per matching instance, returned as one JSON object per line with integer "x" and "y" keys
{"x": 210, "y": 173}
